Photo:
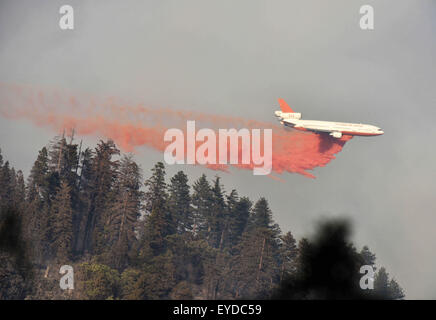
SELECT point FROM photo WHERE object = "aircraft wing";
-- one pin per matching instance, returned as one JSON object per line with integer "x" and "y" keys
{"x": 296, "y": 124}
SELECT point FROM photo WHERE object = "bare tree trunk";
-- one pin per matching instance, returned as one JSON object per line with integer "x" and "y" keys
{"x": 60, "y": 151}
{"x": 221, "y": 240}
{"x": 72, "y": 136}
{"x": 123, "y": 218}
{"x": 261, "y": 258}
{"x": 78, "y": 160}
{"x": 194, "y": 228}
{"x": 47, "y": 270}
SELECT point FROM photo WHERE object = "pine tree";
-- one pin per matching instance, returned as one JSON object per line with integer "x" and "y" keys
{"x": 84, "y": 190}
{"x": 156, "y": 195}
{"x": 385, "y": 288}
{"x": 288, "y": 255}
{"x": 395, "y": 291}
{"x": 302, "y": 250}
{"x": 159, "y": 223}
{"x": 131, "y": 286}
{"x": 381, "y": 284}
{"x": 86, "y": 173}
{"x": 217, "y": 219}
{"x": 180, "y": 203}
{"x": 255, "y": 264}
{"x": 104, "y": 171}
{"x": 201, "y": 201}
{"x": 124, "y": 213}
{"x": 56, "y": 153}
{"x": 368, "y": 257}
{"x": 257, "y": 257}
{"x": 37, "y": 209}
{"x": 238, "y": 214}
{"x": 158, "y": 277}
{"x": 229, "y": 226}
{"x": 64, "y": 159}
{"x": 261, "y": 217}
{"x": 38, "y": 179}
{"x": 88, "y": 206}
{"x": 20, "y": 190}
{"x": 188, "y": 256}
{"x": 61, "y": 214}
{"x": 7, "y": 179}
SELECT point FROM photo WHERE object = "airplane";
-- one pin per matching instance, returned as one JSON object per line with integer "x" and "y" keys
{"x": 292, "y": 119}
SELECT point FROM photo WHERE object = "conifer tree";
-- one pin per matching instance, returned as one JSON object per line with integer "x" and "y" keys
{"x": 104, "y": 170}
{"x": 238, "y": 213}
{"x": 368, "y": 257}
{"x": 288, "y": 255}
{"x": 124, "y": 212}
{"x": 61, "y": 214}
{"x": 180, "y": 203}
{"x": 20, "y": 190}
{"x": 381, "y": 284}
{"x": 156, "y": 195}
{"x": 217, "y": 219}
{"x": 202, "y": 202}
{"x": 38, "y": 179}
{"x": 7, "y": 178}
{"x": 256, "y": 260}
{"x": 37, "y": 211}
{"x": 395, "y": 291}
{"x": 84, "y": 191}
{"x": 255, "y": 264}
{"x": 164, "y": 242}
{"x": 261, "y": 217}
{"x": 159, "y": 223}
{"x": 64, "y": 159}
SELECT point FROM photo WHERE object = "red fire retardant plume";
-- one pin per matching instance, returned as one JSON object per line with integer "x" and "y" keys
{"x": 132, "y": 125}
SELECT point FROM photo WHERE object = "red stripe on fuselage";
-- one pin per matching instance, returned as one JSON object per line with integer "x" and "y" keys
{"x": 350, "y": 133}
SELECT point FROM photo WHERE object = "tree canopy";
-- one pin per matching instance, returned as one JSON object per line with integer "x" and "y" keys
{"x": 136, "y": 235}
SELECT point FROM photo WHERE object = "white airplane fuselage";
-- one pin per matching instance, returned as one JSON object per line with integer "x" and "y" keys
{"x": 353, "y": 129}
{"x": 293, "y": 119}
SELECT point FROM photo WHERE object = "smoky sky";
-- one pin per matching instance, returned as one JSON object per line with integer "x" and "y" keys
{"x": 236, "y": 58}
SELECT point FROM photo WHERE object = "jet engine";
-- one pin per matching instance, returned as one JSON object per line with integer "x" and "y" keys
{"x": 336, "y": 134}
{"x": 288, "y": 115}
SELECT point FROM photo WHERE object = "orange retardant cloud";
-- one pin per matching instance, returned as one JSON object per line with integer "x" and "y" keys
{"x": 132, "y": 126}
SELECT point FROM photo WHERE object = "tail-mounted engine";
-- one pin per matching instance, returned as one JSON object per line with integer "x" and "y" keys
{"x": 288, "y": 115}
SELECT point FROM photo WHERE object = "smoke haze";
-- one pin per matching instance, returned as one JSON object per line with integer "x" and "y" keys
{"x": 236, "y": 58}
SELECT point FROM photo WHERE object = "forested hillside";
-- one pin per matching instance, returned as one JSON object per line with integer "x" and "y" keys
{"x": 134, "y": 237}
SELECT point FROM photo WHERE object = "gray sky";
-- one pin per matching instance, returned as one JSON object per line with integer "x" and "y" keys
{"x": 236, "y": 58}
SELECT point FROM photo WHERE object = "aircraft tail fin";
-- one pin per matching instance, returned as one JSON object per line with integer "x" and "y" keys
{"x": 284, "y": 106}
